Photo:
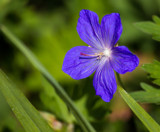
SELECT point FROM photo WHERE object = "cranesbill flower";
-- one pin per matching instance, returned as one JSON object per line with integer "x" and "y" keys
{"x": 102, "y": 55}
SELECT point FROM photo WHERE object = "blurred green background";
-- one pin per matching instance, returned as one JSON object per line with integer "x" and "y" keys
{"x": 48, "y": 28}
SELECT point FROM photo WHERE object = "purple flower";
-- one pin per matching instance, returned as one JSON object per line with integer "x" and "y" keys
{"x": 102, "y": 55}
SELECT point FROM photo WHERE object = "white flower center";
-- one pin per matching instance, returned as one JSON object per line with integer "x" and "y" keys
{"x": 107, "y": 52}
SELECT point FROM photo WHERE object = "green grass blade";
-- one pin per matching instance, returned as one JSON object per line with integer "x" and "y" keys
{"x": 146, "y": 119}
{"x": 83, "y": 122}
{"x": 28, "y": 116}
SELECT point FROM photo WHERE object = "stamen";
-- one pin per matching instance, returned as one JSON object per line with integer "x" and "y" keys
{"x": 106, "y": 53}
{"x": 98, "y": 55}
{"x": 86, "y": 54}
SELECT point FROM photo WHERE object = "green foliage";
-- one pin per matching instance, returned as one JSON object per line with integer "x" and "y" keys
{"x": 154, "y": 71}
{"x": 24, "y": 111}
{"x": 30, "y": 56}
{"x": 156, "y": 19}
{"x": 48, "y": 28}
{"x": 7, "y": 6}
{"x": 150, "y": 95}
{"x": 148, "y": 88}
{"x": 149, "y": 27}
{"x": 139, "y": 111}
{"x": 56, "y": 104}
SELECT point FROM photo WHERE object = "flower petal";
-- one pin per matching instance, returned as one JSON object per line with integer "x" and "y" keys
{"x": 123, "y": 60}
{"x": 104, "y": 82}
{"x": 89, "y": 29}
{"x": 111, "y": 29}
{"x": 78, "y": 66}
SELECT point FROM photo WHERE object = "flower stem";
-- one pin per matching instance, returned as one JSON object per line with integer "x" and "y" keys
{"x": 120, "y": 81}
{"x": 87, "y": 127}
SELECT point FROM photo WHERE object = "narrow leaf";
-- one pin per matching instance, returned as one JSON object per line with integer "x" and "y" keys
{"x": 28, "y": 116}
{"x": 150, "y": 95}
{"x": 148, "y": 27}
{"x": 147, "y": 97}
{"x": 156, "y": 37}
{"x": 156, "y": 19}
{"x": 147, "y": 87}
{"x": 154, "y": 71}
{"x": 146, "y": 119}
